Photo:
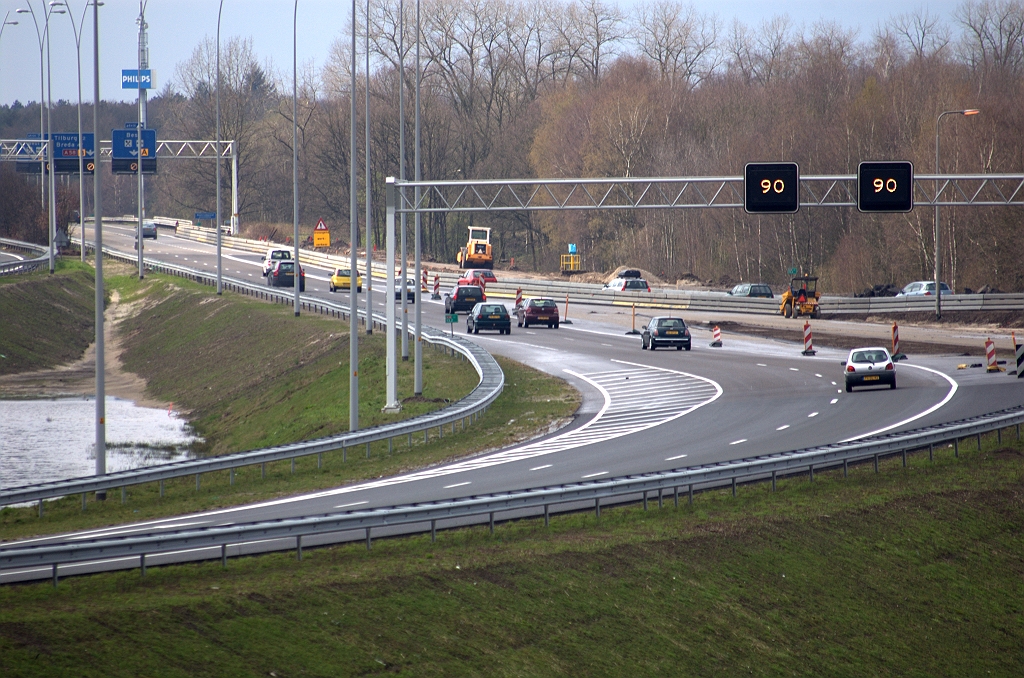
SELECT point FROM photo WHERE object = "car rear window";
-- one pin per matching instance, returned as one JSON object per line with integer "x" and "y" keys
{"x": 636, "y": 284}
{"x": 671, "y": 323}
{"x": 280, "y": 254}
{"x": 492, "y": 308}
{"x": 869, "y": 357}
{"x": 543, "y": 303}
{"x": 469, "y": 292}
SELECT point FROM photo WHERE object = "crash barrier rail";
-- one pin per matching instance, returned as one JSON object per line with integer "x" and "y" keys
{"x": 492, "y": 381}
{"x": 658, "y": 298}
{"x": 23, "y": 265}
{"x": 530, "y": 503}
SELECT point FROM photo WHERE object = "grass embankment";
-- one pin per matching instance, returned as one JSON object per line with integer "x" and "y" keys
{"x": 910, "y": 572}
{"x": 251, "y": 375}
{"x": 46, "y": 320}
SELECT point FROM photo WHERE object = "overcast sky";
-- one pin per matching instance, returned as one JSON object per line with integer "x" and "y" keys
{"x": 177, "y": 26}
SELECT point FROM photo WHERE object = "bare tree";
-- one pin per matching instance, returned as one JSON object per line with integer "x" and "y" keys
{"x": 682, "y": 42}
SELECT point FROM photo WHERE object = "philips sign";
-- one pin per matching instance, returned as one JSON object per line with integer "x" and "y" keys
{"x": 130, "y": 79}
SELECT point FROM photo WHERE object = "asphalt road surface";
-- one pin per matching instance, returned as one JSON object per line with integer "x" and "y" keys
{"x": 642, "y": 410}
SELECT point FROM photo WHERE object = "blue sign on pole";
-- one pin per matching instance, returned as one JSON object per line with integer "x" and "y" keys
{"x": 205, "y": 216}
{"x": 65, "y": 154}
{"x": 126, "y": 154}
{"x": 130, "y": 78}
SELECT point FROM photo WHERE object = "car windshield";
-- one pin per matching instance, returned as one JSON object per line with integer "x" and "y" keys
{"x": 671, "y": 323}
{"x": 870, "y": 357}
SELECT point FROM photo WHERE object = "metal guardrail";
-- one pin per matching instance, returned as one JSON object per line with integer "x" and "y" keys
{"x": 658, "y": 298}
{"x": 24, "y": 265}
{"x": 491, "y": 384}
{"x": 588, "y": 495}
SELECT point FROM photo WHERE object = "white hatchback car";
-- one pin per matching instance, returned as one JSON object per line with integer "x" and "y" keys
{"x": 274, "y": 255}
{"x": 870, "y": 366}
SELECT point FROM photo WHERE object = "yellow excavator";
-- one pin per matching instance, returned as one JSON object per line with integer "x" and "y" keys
{"x": 477, "y": 252}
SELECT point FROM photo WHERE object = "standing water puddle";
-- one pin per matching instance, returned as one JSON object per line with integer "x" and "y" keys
{"x": 47, "y": 440}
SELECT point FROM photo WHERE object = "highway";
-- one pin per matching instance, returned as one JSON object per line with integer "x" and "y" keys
{"x": 641, "y": 411}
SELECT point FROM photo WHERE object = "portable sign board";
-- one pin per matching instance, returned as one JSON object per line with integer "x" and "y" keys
{"x": 321, "y": 236}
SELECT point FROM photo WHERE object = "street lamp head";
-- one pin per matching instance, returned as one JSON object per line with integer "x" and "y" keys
{"x": 23, "y": 11}
{"x": 56, "y": 3}
{"x": 971, "y": 111}
{"x": 10, "y": 23}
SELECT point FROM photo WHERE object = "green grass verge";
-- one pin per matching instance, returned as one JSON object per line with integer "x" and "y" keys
{"x": 909, "y": 572}
{"x": 252, "y": 375}
{"x": 46, "y": 320}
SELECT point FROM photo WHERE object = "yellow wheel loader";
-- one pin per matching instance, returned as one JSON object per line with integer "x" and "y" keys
{"x": 801, "y": 298}
{"x": 477, "y": 252}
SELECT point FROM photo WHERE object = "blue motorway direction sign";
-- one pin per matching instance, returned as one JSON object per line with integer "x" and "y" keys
{"x": 126, "y": 154}
{"x": 130, "y": 79}
{"x": 65, "y": 154}
{"x": 205, "y": 216}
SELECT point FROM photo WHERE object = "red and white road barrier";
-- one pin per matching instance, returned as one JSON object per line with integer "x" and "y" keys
{"x": 990, "y": 355}
{"x": 437, "y": 287}
{"x": 519, "y": 296}
{"x": 716, "y": 333}
{"x": 1019, "y": 351}
{"x": 808, "y": 345}
{"x": 423, "y": 282}
{"x": 895, "y": 339}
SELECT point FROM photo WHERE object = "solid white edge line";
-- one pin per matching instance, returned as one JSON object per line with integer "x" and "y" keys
{"x": 448, "y": 487}
{"x": 355, "y": 503}
{"x": 952, "y": 391}
{"x": 737, "y": 442}
{"x": 540, "y": 468}
{"x": 678, "y": 456}
{"x": 594, "y": 475}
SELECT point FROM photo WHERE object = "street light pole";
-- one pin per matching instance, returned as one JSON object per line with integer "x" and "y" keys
{"x": 938, "y": 252}
{"x": 220, "y": 282}
{"x": 353, "y": 339}
{"x": 97, "y": 233}
{"x": 369, "y": 187}
{"x": 143, "y": 64}
{"x": 78, "y": 30}
{"x": 52, "y": 183}
{"x": 42, "y": 104}
{"x": 297, "y": 273}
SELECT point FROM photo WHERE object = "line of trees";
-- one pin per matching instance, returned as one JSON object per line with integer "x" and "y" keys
{"x": 521, "y": 88}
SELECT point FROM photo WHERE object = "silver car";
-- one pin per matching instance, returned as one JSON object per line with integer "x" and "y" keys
{"x": 870, "y": 366}
{"x": 923, "y": 288}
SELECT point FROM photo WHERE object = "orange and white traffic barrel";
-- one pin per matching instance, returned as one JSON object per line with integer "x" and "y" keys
{"x": 808, "y": 344}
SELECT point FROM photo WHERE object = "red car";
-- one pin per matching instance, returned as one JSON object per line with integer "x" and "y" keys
{"x": 474, "y": 276}
{"x": 537, "y": 311}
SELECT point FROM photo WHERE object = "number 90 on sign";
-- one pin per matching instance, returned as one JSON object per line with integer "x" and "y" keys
{"x": 771, "y": 187}
{"x": 885, "y": 186}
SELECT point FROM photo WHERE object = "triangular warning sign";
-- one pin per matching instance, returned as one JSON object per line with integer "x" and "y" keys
{"x": 320, "y": 226}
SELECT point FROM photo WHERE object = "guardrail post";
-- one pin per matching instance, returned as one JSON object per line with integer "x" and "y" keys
{"x": 142, "y": 564}
{"x": 319, "y": 460}
{"x": 734, "y": 486}
{"x": 876, "y": 463}
{"x": 846, "y": 465}
{"x": 675, "y": 495}
{"x": 1018, "y": 431}
{"x": 773, "y": 480}
{"x": 298, "y": 546}
{"x": 931, "y": 451}
{"x": 597, "y": 506}
{"x": 433, "y": 531}
{"x": 293, "y": 465}
{"x": 224, "y": 556}
{"x": 55, "y": 575}
{"x": 410, "y": 440}
{"x": 645, "y": 500}
{"x": 426, "y": 433}
{"x": 689, "y": 489}
{"x": 122, "y": 495}
{"x": 999, "y": 436}
{"x": 83, "y": 502}
{"x": 491, "y": 520}
{"x": 263, "y": 470}
{"x": 161, "y": 489}
{"x": 367, "y": 450}
{"x": 956, "y": 447}
{"x": 904, "y": 458}
{"x": 344, "y": 454}
{"x": 440, "y": 431}
{"x": 197, "y": 482}
{"x": 979, "y": 442}
{"x": 660, "y": 502}
{"x": 547, "y": 516}
{"x": 231, "y": 477}
{"x": 368, "y": 543}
